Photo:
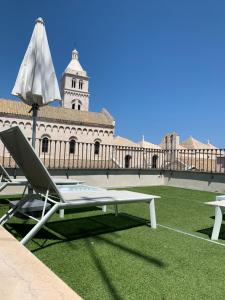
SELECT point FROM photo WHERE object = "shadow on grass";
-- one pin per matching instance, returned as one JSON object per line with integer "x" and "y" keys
{"x": 105, "y": 277}
{"x": 77, "y": 228}
{"x": 69, "y": 230}
{"x": 135, "y": 253}
{"x": 91, "y": 226}
{"x": 73, "y": 229}
{"x": 106, "y": 224}
{"x": 4, "y": 201}
{"x": 108, "y": 282}
{"x": 208, "y": 232}
{"x": 213, "y": 217}
{"x": 21, "y": 229}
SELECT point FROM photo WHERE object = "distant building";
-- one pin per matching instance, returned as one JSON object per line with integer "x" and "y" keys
{"x": 190, "y": 154}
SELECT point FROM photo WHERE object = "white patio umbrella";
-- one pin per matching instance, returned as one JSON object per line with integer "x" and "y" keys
{"x": 36, "y": 82}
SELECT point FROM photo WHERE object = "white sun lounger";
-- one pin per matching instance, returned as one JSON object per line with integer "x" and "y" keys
{"x": 219, "y": 205}
{"x": 6, "y": 180}
{"x": 60, "y": 197}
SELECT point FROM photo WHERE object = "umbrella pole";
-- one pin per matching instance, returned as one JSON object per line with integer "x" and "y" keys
{"x": 34, "y": 117}
{"x": 35, "y": 110}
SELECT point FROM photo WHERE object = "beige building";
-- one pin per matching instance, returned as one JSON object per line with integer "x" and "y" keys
{"x": 171, "y": 141}
{"x": 190, "y": 154}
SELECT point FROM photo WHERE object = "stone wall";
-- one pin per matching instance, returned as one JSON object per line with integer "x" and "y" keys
{"x": 134, "y": 177}
{"x": 212, "y": 182}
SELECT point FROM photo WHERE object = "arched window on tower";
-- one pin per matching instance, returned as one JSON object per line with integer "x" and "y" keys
{"x": 79, "y": 104}
{"x": 73, "y": 82}
{"x": 97, "y": 147}
{"x": 80, "y": 84}
{"x": 72, "y": 146}
{"x": 45, "y": 142}
{"x": 73, "y": 106}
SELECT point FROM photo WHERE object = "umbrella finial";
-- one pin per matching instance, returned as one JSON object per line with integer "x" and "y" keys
{"x": 39, "y": 20}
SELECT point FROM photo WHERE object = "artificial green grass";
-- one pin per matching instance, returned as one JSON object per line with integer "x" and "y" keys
{"x": 106, "y": 257}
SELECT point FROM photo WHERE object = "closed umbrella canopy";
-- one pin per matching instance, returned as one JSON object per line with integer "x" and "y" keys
{"x": 36, "y": 83}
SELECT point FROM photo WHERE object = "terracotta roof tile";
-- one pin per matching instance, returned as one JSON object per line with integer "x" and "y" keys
{"x": 56, "y": 114}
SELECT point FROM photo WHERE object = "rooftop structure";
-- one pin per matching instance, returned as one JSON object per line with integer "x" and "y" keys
{"x": 192, "y": 143}
{"x": 57, "y": 114}
{"x": 145, "y": 144}
{"x": 122, "y": 141}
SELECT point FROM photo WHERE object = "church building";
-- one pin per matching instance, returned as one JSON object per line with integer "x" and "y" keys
{"x": 72, "y": 121}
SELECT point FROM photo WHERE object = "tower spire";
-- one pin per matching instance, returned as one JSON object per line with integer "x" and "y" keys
{"x": 74, "y": 85}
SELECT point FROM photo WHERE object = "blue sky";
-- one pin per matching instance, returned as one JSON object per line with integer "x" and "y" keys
{"x": 156, "y": 65}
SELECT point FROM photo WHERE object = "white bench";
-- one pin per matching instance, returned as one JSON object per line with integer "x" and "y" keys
{"x": 219, "y": 210}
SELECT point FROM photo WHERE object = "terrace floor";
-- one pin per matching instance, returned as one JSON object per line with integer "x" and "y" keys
{"x": 106, "y": 257}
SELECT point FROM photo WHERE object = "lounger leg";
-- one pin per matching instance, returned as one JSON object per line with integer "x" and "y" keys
{"x": 3, "y": 186}
{"x": 61, "y": 213}
{"x": 104, "y": 208}
{"x": 39, "y": 225}
{"x": 12, "y": 211}
{"x": 116, "y": 210}
{"x": 152, "y": 213}
{"x": 217, "y": 223}
{"x": 7, "y": 216}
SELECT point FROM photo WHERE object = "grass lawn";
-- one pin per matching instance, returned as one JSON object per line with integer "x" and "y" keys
{"x": 106, "y": 257}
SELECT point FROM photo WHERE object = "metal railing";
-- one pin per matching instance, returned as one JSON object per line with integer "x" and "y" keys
{"x": 57, "y": 154}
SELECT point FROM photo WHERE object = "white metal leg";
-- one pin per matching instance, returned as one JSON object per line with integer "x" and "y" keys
{"x": 152, "y": 213}
{"x": 61, "y": 213}
{"x": 217, "y": 223}
{"x": 39, "y": 225}
{"x": 12, "y": 211}
{"x": 3, "y": 186}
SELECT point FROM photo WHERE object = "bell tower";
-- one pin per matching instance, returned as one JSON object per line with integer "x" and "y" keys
{"x": 74, "y": 85}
